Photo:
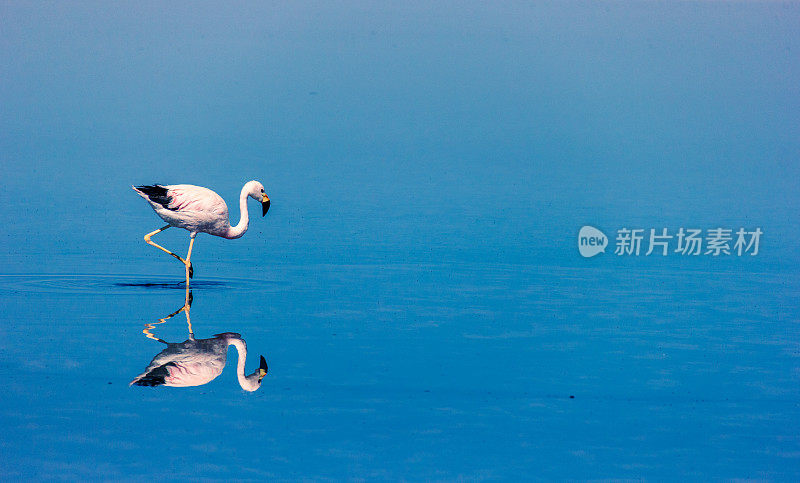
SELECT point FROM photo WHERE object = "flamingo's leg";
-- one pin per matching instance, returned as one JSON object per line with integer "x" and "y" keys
{"x": 150, "y": 242}
{"x": 188, "y": 263}
{"x": 150, "y": 326}
{"x": 187, "y": 307}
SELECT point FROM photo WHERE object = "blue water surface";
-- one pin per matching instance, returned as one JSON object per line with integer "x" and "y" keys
{"x": 416, "y": 287}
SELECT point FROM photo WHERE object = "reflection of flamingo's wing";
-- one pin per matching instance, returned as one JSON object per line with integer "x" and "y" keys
{"x": 152, "y": 377}
{"x": 180, "y": 374}
{"x": 190, "y": 363}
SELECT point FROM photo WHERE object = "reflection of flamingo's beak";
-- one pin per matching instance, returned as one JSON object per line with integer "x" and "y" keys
{"x": 264, "y": 204}
{"x": 262, "y": 369}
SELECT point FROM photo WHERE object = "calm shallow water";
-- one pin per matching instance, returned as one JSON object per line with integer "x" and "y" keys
{"x": 416, "y": 287}
{"x": 417, "y": 371}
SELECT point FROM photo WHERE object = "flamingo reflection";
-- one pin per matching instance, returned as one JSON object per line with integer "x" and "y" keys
{"x": 195, "y": 362}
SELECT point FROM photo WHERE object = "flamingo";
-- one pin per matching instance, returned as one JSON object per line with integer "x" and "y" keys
{"x": 197, "y": 209}
{"x": 195, "y": 362}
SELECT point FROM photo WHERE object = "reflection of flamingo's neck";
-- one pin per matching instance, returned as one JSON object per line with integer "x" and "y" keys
{"x": 241, "y": 348}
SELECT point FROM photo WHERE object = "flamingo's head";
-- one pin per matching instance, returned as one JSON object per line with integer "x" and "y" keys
{"x": 253, "y": 381}
{"x": 255, "y": 190}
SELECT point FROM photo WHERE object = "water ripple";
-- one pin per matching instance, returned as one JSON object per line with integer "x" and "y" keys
{"x": 115, "y": 284}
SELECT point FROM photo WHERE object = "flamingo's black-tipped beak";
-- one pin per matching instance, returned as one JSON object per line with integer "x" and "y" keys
{"x": 262, "y": 369}
{"x": 264, "y": 205}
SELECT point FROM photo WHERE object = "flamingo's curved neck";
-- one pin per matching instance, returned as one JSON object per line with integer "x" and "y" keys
{"x": 244, "y": 217}
{"x": 241, "y": 348}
